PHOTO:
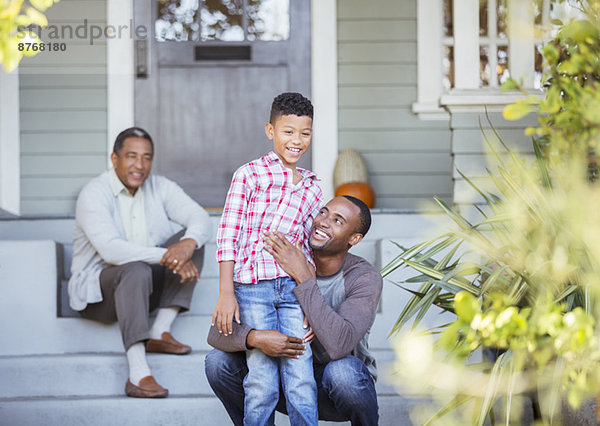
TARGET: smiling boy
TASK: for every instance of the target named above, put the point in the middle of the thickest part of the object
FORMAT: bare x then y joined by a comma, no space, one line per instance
270,194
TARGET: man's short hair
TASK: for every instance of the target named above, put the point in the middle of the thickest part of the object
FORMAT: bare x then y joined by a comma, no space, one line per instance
132,132
290,103
365,214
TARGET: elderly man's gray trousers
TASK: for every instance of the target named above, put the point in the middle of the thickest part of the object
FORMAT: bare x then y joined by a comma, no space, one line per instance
131,291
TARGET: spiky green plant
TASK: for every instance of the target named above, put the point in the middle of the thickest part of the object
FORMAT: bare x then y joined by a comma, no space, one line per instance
524,277
530,295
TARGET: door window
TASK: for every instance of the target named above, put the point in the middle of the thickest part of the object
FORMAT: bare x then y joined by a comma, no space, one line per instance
222,20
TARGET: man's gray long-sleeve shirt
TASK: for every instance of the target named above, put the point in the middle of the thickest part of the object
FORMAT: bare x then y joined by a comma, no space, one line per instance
99,238
340,309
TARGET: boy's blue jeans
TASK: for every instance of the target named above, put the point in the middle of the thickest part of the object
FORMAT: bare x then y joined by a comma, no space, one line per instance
271,304
346,390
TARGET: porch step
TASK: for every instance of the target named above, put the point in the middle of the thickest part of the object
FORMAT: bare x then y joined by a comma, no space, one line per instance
101,375
174,410
88,388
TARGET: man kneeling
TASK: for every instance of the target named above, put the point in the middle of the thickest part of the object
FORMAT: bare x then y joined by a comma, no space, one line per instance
339,304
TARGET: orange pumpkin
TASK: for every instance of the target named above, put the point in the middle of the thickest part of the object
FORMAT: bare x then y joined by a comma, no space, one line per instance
360,190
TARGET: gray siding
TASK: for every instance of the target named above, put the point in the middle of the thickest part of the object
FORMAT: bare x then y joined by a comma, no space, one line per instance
63,112
470,147
408,159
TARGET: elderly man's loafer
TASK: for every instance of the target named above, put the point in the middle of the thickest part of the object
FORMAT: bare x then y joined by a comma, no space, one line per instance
167,345
148,388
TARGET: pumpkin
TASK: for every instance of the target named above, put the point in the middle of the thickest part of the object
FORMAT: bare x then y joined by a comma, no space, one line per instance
360,190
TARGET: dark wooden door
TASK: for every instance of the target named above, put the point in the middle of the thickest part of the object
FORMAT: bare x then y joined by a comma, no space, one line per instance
205,81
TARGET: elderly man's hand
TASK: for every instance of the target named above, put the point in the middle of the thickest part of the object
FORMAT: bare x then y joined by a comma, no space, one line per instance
178,254
189,272
275,344
290,258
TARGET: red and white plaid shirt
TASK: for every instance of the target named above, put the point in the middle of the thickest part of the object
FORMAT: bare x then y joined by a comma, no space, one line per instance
262,196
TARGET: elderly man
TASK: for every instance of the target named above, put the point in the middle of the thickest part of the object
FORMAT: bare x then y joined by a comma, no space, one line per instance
339,304
129,259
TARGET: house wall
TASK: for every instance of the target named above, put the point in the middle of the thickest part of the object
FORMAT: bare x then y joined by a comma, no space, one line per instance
469,133
63,111
408,158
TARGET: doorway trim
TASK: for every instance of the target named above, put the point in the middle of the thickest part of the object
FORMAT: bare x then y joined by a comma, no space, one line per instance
10,172
324,95
119,71
324,82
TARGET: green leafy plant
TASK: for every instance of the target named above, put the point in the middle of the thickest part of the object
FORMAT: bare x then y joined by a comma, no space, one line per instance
523,277
14,17
570,112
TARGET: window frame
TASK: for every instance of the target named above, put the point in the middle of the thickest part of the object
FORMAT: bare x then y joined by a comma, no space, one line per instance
432,100
243,5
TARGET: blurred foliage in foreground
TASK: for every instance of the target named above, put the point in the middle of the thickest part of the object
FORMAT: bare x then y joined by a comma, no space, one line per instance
14,17
525,278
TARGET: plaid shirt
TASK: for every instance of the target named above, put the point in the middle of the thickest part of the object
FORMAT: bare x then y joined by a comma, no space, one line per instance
262,196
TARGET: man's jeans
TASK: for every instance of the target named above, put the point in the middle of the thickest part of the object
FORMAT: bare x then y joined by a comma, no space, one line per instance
271,304
346,389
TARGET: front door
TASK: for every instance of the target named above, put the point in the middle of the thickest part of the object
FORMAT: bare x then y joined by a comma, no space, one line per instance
205,80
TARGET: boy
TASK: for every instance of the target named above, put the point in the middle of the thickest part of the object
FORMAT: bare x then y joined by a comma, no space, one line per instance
270,193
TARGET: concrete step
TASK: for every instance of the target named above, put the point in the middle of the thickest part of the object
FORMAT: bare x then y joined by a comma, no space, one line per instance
97,375
104,375
188,410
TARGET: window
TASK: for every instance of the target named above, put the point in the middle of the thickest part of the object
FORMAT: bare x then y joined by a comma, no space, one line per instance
493,44
482,43
222,20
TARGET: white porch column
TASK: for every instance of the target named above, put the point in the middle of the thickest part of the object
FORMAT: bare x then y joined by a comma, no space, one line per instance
521,40
466,44
324,91
119,78
10,172
430,24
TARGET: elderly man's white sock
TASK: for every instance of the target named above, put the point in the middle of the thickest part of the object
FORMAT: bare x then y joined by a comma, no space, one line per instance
138,367
163,321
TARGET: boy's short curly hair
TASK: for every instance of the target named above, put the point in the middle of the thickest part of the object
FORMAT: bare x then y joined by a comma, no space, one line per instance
290,103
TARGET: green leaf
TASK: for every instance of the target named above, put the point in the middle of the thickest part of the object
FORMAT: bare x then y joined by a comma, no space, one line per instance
454,215
516,111
487,199
568,290
41,5
546,182
510,84
466,305
552,103
554,392
409,309
579,31
498,371
444,261
407,254
455,283
456,402
493,279
425,304
36,17
436,249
